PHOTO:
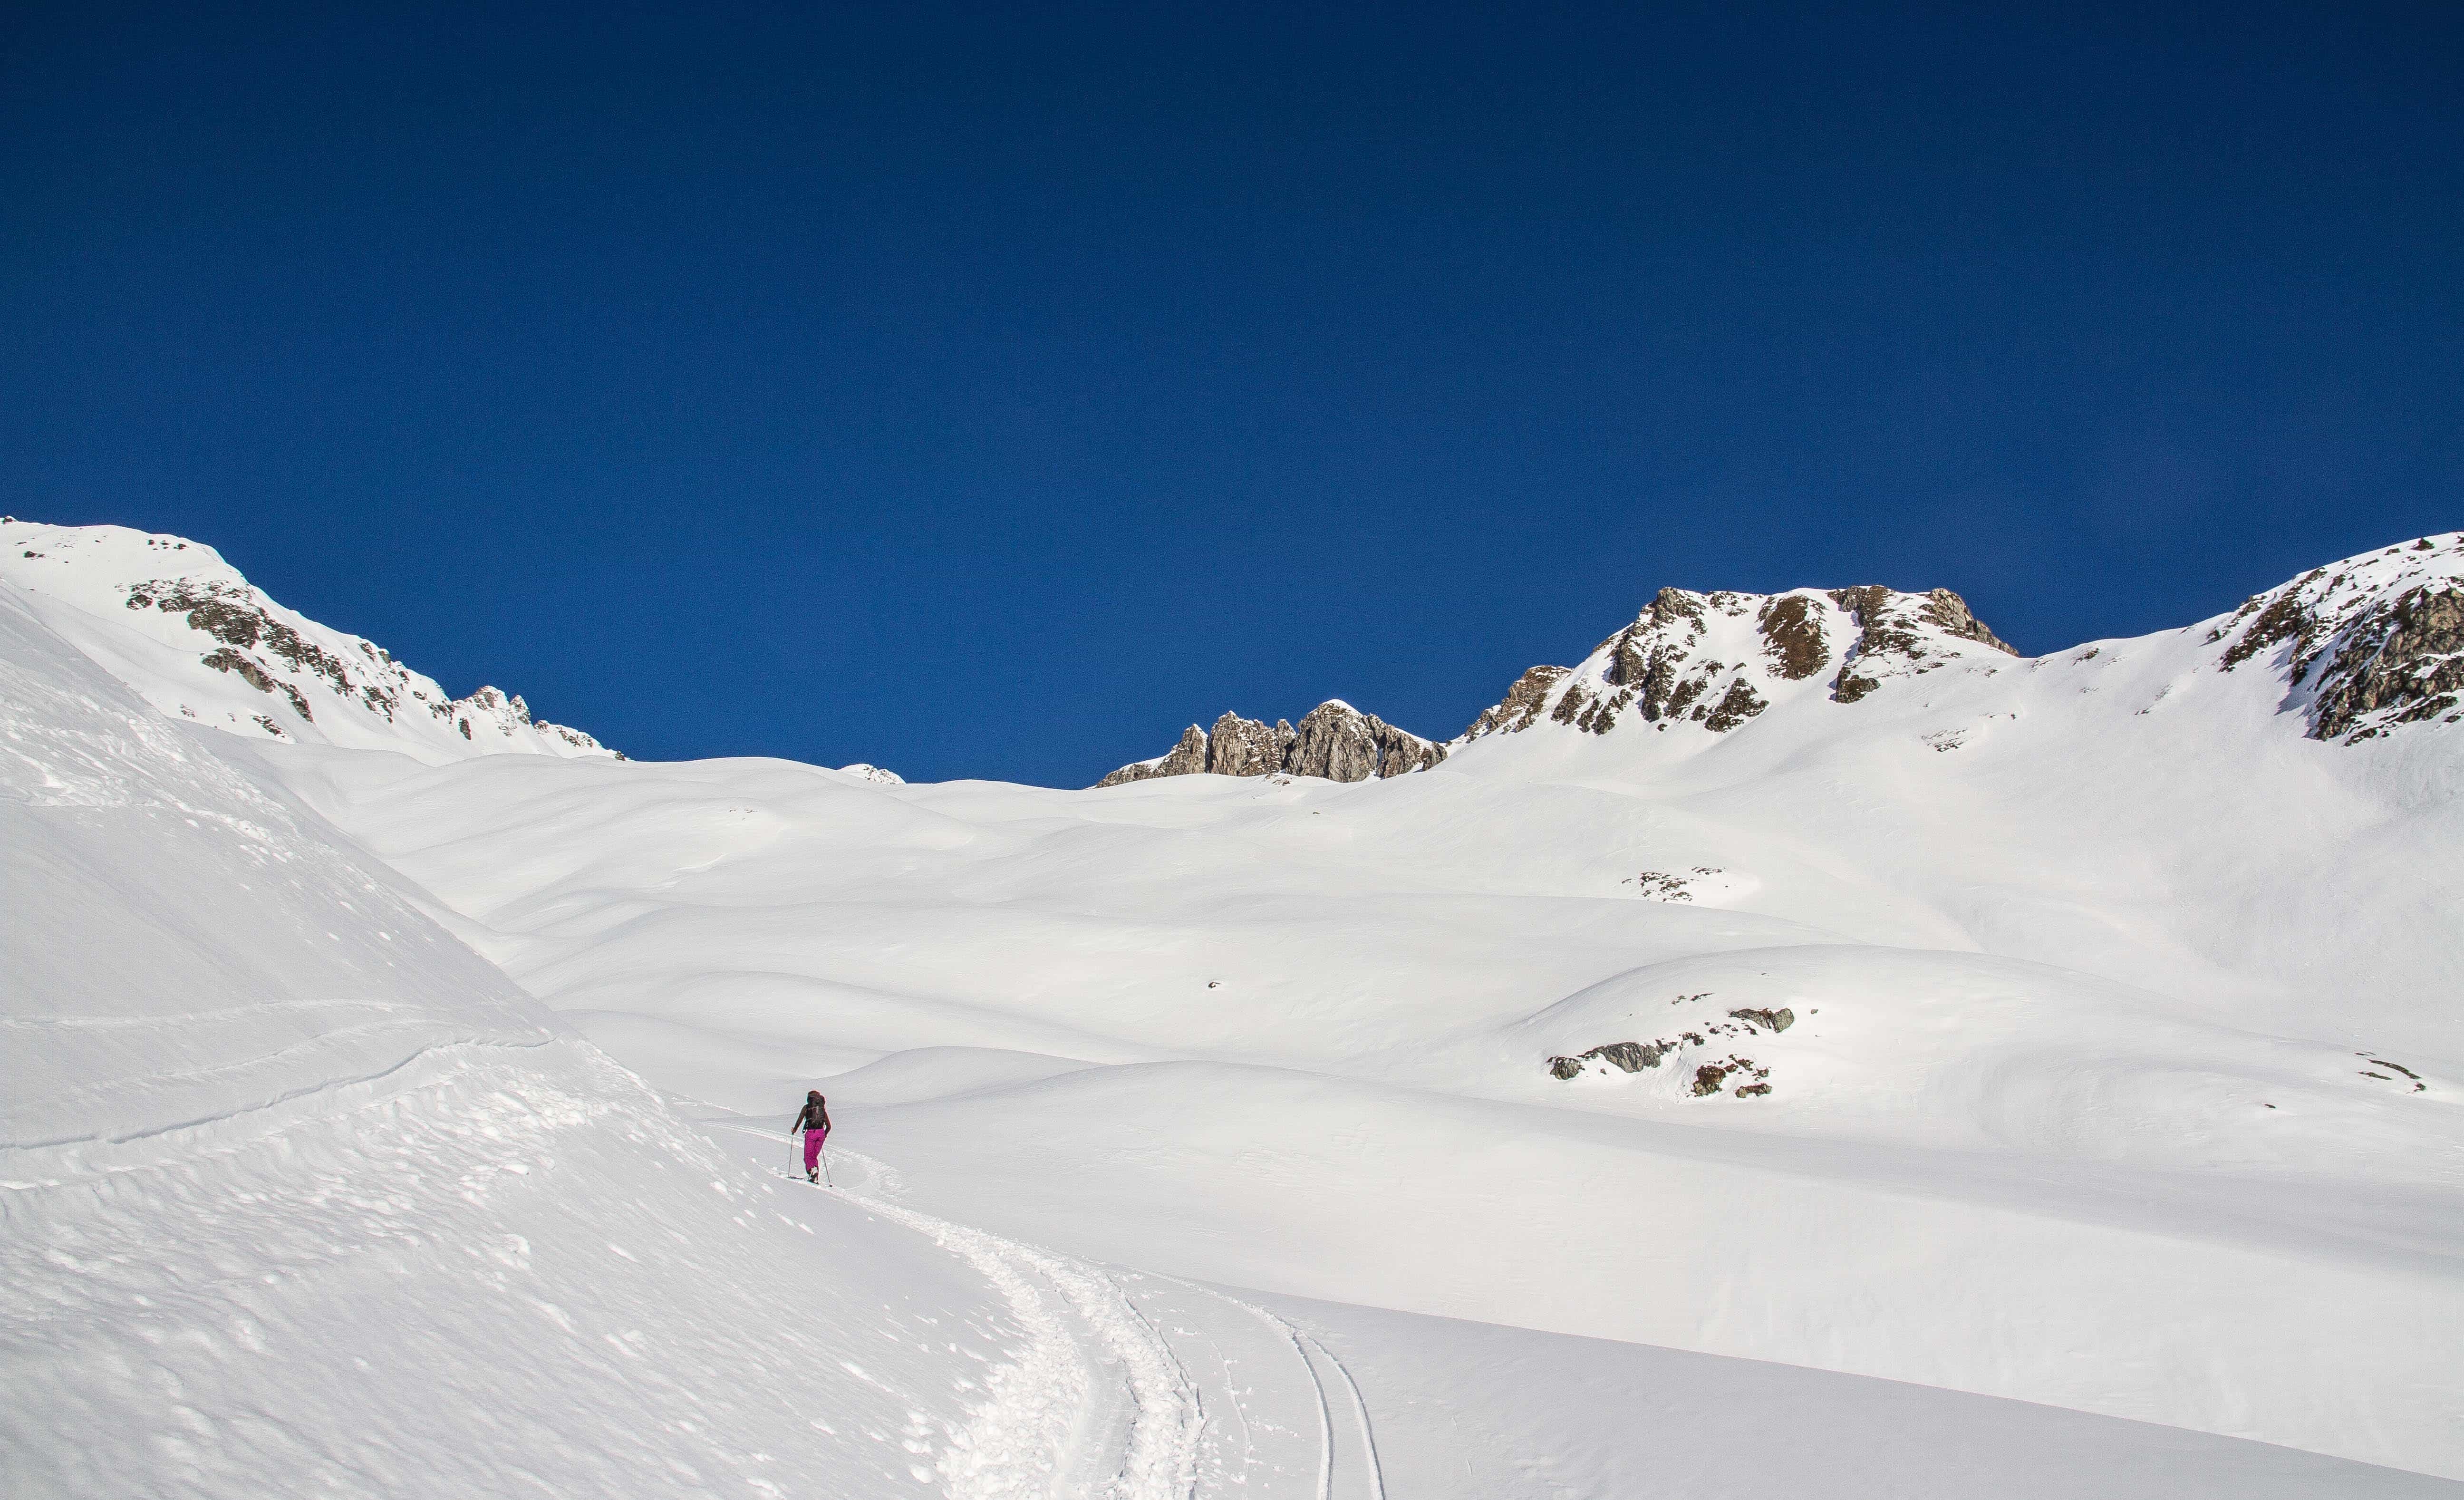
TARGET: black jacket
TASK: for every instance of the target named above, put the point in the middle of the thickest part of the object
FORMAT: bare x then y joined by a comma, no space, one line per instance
815,1115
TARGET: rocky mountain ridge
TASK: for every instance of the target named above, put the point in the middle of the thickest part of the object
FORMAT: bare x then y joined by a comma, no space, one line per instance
1333,740
1718,660
2365,645
185,630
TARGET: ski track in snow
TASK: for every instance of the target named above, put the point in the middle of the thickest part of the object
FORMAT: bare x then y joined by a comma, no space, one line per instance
1311,1354
1098,1402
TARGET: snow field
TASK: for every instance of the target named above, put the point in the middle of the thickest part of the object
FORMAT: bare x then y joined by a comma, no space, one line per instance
1942,1268
1294,1037
1475,1410
299,1197
2121,1077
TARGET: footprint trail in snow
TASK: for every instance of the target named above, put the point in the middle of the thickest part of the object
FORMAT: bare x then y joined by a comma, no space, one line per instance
1130,1385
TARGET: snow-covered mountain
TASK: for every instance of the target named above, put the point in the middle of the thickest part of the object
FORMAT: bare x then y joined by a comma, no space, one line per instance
169,618
299,1196
2118,1070
1961,1073
1720,660
2362,644
2359,646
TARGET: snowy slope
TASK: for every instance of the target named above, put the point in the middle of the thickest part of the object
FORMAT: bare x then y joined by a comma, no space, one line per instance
301,1197
2119,1070
2102,1000
169,618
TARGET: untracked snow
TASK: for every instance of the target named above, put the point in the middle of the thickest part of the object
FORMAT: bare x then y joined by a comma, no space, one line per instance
1267,1136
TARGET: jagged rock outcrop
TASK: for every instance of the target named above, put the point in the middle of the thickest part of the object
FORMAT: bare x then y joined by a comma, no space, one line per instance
1521,703
2366,644
1238,746
1333,740
1893,629
1720,659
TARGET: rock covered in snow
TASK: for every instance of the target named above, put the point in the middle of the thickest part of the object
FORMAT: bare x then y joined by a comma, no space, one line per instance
1720,659
873,773
1333,740
2365,645
175,622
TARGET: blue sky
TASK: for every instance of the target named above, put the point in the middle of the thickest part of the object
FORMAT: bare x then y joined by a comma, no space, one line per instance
991,392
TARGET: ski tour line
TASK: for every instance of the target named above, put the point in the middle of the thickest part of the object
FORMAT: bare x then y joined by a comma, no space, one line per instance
1101,1402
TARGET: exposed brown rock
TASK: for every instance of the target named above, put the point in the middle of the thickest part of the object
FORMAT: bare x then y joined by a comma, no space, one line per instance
1630,662
1333,740
2401,665
1948,613
1401,752
2288,618
1741,703
1631,1056
1793,637
1184,758
1521,705
247,671
1238,746
1893,625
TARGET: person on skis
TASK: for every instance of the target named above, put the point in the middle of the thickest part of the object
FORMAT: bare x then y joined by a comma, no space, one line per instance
815,1122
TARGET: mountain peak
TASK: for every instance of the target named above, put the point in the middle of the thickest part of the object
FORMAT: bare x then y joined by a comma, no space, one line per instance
2365,644
1333,740
1719,659
176,622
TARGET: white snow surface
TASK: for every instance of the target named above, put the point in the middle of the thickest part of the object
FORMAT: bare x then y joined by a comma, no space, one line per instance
1198,1136
169,618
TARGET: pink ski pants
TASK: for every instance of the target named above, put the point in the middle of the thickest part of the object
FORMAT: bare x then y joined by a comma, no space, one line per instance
813,1140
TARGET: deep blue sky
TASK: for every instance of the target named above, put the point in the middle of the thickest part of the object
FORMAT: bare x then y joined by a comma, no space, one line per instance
993,391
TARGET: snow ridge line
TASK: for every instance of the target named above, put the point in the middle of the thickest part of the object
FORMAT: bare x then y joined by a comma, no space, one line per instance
150,1022
257,1121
